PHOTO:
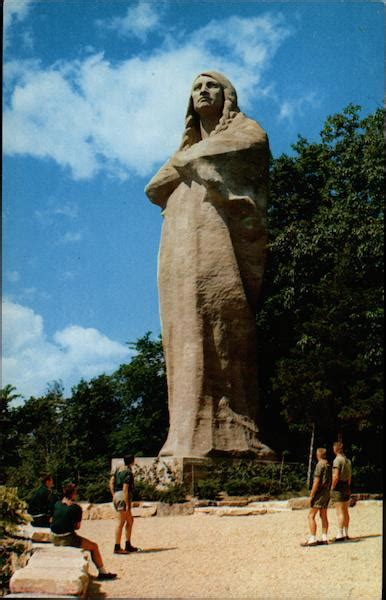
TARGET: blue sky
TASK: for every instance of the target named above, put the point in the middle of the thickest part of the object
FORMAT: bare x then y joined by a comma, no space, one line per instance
95,93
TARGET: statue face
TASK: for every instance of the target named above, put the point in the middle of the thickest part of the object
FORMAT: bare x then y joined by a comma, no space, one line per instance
207,96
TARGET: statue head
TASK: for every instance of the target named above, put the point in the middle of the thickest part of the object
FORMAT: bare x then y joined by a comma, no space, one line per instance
228,111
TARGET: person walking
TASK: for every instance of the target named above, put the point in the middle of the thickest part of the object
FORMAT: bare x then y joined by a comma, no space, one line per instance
121,488
319,498
66,519
341,490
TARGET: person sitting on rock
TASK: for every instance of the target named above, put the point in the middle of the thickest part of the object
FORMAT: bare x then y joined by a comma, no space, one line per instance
42,502
121,487
66,519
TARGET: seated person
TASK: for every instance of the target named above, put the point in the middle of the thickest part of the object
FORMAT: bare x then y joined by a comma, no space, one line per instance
42,502
66,519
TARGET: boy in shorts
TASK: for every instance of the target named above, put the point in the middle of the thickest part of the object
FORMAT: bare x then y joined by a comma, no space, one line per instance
121,487
319,498
341,490
66,520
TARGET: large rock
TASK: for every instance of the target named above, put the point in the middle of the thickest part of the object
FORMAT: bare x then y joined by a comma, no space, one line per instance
102,511
144,511
233,502
240,511
174,510
49,580
53,571
299,503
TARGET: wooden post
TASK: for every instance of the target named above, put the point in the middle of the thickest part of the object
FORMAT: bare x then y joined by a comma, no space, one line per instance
281,468
310,456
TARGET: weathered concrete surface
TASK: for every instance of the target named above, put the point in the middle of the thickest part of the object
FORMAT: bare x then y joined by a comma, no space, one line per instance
213,192
53,571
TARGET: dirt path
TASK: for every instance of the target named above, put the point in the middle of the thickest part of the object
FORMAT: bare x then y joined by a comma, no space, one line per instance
205,556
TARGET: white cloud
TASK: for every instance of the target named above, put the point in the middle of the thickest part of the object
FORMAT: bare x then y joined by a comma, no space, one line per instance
31,360
14,10
289,109
127,117
138,22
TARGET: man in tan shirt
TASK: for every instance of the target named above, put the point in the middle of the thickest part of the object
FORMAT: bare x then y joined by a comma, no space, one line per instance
340,490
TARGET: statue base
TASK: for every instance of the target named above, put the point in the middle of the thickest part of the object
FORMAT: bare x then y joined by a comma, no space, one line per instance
165,470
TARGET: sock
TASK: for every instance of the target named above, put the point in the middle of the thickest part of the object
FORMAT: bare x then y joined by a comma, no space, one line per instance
340,533
345,529
102,570
117,547
128,545
312,538
324,537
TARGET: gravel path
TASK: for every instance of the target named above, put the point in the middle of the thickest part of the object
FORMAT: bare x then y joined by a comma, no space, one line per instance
206,556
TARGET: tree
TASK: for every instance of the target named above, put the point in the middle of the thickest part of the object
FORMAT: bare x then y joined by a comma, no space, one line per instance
320,324
141,386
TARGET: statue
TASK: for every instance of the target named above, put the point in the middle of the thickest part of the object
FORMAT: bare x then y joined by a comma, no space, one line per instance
213,194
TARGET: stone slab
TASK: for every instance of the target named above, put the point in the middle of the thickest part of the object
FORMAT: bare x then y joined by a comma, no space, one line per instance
41,534
49,581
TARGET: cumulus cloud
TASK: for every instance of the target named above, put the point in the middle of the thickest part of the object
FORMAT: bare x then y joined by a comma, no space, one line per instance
15,10
289,109
138,22
126,117
31,359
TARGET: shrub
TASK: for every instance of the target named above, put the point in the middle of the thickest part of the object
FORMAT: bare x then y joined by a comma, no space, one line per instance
172,493
237,487
12,510
145,491
208,488
95,491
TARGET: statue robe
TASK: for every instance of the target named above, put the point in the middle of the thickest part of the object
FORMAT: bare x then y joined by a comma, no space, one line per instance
211,261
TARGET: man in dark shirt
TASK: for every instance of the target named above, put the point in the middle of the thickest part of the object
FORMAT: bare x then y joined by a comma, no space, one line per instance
121,487
66,519
42,502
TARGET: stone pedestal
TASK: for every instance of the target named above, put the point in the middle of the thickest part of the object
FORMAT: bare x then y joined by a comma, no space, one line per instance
169,469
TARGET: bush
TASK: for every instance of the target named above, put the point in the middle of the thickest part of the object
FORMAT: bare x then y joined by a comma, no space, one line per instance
237,487
12,510
144,490
172,493
208,489
367,479
95,491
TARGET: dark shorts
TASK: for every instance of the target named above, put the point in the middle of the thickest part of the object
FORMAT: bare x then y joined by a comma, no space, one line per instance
342,492
119,501
321,499
72,539
41,521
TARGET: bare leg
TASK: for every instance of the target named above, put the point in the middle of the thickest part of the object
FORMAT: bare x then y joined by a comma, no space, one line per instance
120,524
340,514
346,515
311,520
324,519
95,554
129,525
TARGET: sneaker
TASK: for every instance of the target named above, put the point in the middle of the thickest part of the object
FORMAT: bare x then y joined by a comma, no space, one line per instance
104,576
322,542
130,548
306,544
340,539
121,551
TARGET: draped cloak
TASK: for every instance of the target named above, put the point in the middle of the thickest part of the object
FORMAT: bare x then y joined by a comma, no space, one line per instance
211,261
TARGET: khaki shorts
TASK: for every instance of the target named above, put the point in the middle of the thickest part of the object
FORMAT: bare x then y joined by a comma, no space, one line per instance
321,499
72,539
342,492
119,501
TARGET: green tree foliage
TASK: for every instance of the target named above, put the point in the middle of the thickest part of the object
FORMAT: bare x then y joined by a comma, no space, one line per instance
320,324
141,388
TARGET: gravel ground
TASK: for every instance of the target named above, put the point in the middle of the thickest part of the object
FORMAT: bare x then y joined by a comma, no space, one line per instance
206,556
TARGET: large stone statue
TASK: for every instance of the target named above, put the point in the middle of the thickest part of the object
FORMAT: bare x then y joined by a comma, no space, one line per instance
213,194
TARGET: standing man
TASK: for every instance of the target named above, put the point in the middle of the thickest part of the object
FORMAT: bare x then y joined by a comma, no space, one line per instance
42,502
319,498
340,490
121,488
